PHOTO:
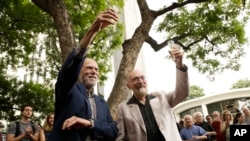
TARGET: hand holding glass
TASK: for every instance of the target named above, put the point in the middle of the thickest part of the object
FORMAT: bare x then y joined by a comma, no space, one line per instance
172,45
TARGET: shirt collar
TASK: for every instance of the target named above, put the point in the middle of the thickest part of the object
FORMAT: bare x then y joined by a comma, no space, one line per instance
133,99
91,93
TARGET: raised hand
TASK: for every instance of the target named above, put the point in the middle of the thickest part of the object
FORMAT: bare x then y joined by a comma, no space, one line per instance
108,17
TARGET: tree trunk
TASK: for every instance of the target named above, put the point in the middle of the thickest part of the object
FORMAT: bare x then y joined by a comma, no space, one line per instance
131,50
63,26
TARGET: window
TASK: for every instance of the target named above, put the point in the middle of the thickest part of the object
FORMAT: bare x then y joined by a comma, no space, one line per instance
191,111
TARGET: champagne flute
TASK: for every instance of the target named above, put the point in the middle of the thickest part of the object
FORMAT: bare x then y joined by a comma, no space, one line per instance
172,45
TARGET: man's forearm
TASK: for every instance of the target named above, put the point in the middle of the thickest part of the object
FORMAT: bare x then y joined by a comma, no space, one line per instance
81,50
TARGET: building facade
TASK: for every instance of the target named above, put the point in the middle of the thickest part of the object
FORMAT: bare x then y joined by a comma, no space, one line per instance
229,100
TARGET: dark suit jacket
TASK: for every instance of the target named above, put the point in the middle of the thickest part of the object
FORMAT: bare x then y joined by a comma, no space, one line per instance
72,100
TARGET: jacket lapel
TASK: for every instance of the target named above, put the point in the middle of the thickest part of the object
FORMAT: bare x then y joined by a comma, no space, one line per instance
135,112
83,91
157,111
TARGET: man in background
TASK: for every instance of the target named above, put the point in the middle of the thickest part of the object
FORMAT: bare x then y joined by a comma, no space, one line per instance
199,121
192,132
24,129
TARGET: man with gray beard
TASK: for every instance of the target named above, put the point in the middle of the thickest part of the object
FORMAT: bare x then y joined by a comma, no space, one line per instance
80,114
148,117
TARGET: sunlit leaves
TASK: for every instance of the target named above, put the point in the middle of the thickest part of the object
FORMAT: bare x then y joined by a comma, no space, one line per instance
195,92
242,83
216,33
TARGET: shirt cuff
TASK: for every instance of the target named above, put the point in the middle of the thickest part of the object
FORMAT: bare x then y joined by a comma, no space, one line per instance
92,123
184,68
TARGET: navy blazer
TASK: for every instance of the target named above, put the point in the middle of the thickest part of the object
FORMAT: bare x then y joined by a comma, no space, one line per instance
72,100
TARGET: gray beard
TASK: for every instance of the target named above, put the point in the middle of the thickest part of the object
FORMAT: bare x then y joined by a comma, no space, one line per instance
141,92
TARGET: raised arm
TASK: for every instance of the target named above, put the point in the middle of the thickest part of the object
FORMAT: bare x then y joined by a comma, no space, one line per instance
69,73
108,17
182,83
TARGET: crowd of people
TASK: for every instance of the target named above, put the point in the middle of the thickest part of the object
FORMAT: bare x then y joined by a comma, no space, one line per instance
81,115
213,127
27,130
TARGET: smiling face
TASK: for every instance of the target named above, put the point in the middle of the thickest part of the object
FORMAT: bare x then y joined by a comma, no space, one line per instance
198,117
246,111
188,121
137,83
89,73
50,119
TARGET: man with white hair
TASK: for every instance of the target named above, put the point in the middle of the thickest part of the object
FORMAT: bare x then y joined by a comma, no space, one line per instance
148,116
199,121
80,114
192,132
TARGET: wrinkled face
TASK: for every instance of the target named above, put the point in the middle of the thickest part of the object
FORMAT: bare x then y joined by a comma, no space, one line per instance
246,111
89,73
137,83
216,116
27,112
198,118
188,121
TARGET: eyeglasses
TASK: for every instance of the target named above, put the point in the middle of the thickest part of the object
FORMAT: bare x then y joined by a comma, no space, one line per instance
138,78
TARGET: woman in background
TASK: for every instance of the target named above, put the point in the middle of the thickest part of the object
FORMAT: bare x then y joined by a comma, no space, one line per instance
47,127
227,120
239,119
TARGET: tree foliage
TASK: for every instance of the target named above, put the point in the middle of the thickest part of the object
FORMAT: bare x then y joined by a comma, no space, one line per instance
15,93
36,37
242,83
211,32
195,92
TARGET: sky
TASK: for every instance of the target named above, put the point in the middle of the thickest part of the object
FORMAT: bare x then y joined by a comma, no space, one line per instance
161,72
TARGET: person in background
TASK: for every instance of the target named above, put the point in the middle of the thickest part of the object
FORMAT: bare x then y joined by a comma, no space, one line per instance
209,119
199,121
181,123
239,119
27,129
178,127
1,131
81,115
192,132
47,127
148,117
227,120
246,113
216,123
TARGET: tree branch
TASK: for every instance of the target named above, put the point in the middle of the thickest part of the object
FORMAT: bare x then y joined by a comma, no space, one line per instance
176,39
177,5
43,4
195,42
